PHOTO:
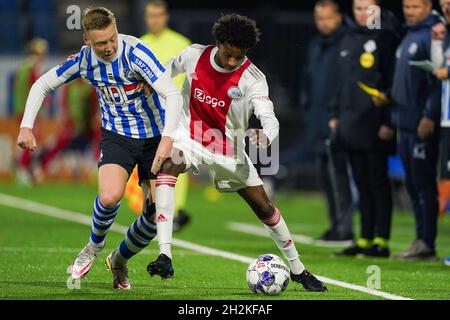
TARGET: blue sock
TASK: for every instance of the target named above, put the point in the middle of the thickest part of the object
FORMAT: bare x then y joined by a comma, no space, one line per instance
102,219
139,235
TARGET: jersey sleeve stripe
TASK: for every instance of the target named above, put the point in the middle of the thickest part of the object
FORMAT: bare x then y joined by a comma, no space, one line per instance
256,70
143,66
152,56
255,73
73,77
66,66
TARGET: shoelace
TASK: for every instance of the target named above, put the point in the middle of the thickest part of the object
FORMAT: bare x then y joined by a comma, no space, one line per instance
86,254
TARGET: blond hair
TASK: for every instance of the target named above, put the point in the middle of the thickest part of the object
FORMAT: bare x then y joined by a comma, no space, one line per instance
98,18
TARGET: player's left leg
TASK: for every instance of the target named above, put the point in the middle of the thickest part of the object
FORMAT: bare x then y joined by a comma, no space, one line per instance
165,203
138,236
275,225
112,179
119,156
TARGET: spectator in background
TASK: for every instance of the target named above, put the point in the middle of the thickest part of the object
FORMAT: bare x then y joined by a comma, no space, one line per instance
165,44
415,117
320,84
362,121
28,72
440,55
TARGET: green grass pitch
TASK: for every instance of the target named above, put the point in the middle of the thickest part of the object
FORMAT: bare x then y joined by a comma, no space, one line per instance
35,251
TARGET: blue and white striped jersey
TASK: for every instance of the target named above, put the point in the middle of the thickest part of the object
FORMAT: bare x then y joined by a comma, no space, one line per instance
124,111
445,97
445,104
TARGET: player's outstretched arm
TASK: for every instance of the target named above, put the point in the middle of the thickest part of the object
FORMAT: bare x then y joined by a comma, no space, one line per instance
166,89
46,83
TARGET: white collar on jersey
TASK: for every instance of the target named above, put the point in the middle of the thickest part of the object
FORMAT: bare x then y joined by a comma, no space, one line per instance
219,68
118,53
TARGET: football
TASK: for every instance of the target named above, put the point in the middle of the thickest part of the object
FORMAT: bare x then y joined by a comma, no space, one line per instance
268,275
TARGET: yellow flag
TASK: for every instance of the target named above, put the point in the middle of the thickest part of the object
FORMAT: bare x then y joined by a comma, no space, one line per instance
372,91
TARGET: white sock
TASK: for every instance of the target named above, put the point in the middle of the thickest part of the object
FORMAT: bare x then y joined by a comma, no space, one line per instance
279,232
165,210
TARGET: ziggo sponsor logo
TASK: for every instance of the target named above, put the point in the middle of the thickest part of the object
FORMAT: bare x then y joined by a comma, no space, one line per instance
201,96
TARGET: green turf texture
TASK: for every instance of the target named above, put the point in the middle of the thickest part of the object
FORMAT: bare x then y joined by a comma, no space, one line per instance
35,251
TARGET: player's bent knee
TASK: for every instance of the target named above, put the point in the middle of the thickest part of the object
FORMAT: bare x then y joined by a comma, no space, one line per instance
110,199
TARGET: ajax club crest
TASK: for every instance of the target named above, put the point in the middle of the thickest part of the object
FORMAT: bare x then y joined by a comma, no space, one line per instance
234,93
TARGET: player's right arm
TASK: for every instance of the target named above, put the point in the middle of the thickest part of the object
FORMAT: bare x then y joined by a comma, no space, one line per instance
48,82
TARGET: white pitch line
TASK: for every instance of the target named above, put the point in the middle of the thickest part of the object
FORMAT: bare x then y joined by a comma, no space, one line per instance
260,231
39,249
17,250
35,207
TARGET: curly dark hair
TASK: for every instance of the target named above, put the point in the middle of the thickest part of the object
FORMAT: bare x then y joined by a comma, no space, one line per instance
238,31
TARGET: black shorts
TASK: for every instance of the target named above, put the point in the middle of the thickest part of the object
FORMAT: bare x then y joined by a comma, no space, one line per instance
129,152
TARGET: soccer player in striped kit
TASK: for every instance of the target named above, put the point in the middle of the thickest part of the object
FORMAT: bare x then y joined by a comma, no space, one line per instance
136,129
222,90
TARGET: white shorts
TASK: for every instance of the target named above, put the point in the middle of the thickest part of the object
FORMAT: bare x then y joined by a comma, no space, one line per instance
226,173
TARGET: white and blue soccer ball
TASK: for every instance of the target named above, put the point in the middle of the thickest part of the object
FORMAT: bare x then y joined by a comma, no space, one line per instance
268,275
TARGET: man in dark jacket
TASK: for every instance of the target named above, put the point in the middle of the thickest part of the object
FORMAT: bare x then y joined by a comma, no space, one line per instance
415,115
319,84
362,122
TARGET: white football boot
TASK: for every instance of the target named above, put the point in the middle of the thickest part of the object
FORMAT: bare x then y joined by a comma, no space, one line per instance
84,261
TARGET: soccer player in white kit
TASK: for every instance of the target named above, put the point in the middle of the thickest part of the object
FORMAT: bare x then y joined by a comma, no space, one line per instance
222,90
136,129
